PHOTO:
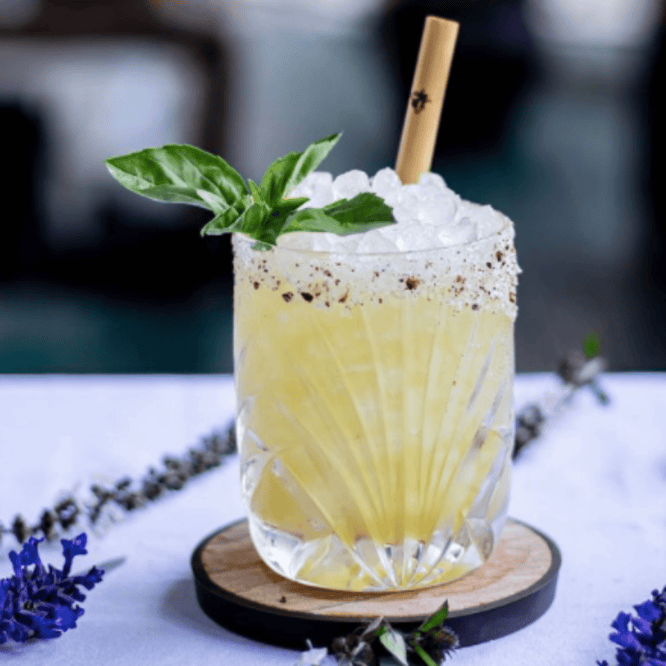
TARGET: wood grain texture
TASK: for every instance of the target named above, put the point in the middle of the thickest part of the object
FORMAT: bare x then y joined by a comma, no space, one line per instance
231,567
424,109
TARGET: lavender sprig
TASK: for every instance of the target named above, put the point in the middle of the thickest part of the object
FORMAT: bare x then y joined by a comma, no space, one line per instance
642,639
40,602
576,372
433,641
429,644
126,494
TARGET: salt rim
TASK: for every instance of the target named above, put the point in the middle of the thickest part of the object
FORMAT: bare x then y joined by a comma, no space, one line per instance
468,263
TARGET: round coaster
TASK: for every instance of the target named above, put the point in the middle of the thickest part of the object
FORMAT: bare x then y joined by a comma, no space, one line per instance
238,591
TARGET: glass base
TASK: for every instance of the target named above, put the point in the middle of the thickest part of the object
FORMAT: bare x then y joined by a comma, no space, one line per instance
372,567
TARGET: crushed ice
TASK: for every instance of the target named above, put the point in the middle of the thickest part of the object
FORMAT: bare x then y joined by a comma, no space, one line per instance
428,214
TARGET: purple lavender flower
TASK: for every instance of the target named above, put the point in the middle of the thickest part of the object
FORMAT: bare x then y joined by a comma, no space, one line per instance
40,602
642,639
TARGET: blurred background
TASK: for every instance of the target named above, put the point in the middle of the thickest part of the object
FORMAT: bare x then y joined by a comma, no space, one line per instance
551,116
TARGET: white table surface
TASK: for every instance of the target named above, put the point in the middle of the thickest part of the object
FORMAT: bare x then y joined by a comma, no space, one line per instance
595,482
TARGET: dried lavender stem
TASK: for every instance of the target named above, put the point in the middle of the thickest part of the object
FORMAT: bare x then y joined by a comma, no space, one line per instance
126,494
576,372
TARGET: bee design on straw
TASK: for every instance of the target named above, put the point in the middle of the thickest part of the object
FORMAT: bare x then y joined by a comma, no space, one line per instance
419,100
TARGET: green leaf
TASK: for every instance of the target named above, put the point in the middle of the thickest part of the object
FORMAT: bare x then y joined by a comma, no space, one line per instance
424,655
394,643
286,172
435,619
221,224
179,174
262,246
253,221
314,219
365,211
286,206
255,191
380,631
257,220
591,345
186,174
275,223
228,221
365,207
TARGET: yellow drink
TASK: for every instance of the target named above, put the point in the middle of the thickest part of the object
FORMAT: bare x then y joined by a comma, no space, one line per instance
375,415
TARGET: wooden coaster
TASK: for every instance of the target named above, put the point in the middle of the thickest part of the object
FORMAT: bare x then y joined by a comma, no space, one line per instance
238,591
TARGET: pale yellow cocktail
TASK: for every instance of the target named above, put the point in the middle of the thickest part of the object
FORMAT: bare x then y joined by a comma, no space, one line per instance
374,367
375,414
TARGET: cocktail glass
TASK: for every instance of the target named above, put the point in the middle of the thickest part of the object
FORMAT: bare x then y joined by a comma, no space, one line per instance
375,409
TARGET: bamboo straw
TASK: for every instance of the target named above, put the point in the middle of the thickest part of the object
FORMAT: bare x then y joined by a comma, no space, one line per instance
419,132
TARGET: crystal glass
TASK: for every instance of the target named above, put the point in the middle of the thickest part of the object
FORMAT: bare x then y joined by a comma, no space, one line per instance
375,409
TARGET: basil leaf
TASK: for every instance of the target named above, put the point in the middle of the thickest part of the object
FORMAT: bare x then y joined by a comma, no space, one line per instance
286,206
265,222
315,219
436,618
186,174
425,656
281,213
591,345
286,172
395,644
347,216
253,221
262,246
180,174
255,191
221,224
228,221
364,207
273,224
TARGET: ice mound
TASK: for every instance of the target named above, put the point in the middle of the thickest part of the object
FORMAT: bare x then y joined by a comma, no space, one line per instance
470,262
428,214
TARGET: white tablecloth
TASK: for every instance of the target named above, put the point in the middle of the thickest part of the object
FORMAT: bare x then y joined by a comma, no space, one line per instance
595,482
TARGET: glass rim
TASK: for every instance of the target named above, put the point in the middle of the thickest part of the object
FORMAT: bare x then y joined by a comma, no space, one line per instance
467,245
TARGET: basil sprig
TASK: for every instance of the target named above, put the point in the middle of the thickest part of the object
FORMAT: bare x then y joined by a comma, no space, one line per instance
185,174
